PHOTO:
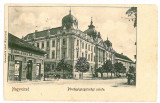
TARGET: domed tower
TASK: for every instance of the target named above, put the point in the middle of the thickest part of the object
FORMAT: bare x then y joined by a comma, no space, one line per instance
91,30
108,43
69,22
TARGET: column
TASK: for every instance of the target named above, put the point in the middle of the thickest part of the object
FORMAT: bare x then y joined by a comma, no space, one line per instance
60,45
73,55
55,48
67,47
80,48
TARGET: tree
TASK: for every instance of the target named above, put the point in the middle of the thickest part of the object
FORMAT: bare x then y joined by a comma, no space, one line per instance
131,75
123,70
64,67
46,67
101,70
112,70
82,65
133,12
132,69
69,68
107,66
118,67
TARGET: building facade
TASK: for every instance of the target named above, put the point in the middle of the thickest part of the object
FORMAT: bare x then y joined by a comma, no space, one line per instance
69,42
25,61
127,62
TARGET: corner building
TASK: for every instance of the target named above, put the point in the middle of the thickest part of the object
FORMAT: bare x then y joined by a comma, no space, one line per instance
25,61
69,42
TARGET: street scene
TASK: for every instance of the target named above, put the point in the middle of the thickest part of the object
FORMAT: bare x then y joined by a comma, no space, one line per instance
62,45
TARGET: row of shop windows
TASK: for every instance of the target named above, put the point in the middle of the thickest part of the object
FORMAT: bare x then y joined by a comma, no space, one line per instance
28,70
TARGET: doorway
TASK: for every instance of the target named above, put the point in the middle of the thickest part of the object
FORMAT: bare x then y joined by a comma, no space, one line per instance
18,70
38,71
29,70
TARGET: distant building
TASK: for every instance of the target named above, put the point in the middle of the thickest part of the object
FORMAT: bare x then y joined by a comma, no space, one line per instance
127,62
25,61
69,43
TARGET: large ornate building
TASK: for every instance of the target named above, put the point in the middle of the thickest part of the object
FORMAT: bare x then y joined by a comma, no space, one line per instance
69,42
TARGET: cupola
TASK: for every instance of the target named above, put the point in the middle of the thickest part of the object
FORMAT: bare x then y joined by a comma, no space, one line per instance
69,21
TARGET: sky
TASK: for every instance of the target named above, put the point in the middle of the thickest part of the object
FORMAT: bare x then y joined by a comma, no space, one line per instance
109,21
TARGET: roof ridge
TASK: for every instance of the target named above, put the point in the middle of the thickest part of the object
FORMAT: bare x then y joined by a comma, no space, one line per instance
23,44
123,56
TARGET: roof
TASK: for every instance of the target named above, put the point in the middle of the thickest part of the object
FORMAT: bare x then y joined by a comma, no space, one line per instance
15,42
122,56
43,33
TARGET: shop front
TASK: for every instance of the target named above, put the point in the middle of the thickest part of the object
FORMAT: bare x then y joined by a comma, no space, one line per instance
25,61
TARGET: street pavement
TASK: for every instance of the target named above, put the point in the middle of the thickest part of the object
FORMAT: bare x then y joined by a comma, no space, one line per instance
115,82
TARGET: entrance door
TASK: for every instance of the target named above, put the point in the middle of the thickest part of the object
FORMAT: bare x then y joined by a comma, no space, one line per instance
38,71
18,70
29,70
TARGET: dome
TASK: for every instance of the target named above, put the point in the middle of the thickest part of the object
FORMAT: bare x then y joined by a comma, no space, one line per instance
91,30
108,43
69,21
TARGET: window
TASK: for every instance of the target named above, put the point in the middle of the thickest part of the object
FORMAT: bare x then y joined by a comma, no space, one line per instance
77,54
106,55
63,55
89,47
53,67
91,56
82,45
42,44
11,57
82,54
92,48
53,43
99,56
63,41
53,54
86,46
88,57
38,45
77,42
47,43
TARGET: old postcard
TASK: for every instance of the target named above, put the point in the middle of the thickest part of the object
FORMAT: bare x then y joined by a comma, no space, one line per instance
80,52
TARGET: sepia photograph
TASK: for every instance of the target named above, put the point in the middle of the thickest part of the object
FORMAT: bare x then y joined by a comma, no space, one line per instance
50,43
